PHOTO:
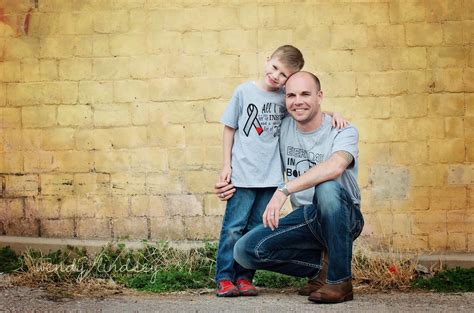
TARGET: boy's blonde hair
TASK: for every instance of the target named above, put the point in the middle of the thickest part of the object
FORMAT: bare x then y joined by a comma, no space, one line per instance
290,56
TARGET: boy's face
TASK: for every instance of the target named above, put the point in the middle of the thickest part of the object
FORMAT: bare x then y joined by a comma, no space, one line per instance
276,73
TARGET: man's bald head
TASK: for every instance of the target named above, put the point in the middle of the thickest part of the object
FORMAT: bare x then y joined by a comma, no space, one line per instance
314,78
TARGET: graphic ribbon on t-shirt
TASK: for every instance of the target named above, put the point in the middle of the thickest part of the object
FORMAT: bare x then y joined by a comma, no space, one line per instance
252,120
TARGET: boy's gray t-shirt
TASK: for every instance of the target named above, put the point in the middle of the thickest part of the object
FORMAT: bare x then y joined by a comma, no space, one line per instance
301,151
256,116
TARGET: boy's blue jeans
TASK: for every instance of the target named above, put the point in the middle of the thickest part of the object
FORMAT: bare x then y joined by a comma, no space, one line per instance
243,212
295,248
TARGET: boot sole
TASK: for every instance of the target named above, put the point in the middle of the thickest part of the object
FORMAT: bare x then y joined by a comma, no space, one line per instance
348,297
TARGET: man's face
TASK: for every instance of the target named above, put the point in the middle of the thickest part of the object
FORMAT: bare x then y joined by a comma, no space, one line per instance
303,99
276,73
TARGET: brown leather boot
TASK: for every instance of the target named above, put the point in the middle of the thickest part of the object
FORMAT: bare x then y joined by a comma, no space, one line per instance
333,293
316,283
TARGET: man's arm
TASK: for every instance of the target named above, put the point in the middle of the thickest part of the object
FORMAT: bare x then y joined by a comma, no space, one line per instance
327,170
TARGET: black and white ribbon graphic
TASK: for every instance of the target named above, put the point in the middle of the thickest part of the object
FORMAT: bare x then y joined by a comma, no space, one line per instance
252,120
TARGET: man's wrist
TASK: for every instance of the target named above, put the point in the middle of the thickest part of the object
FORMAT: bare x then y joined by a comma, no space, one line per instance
284,190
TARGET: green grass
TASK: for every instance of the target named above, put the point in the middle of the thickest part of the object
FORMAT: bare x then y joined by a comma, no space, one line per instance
451,280
9,261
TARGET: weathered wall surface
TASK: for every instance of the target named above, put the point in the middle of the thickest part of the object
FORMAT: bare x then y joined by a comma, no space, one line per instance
109,111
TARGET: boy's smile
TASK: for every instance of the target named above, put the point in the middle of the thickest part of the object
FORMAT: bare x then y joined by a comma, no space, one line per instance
276,74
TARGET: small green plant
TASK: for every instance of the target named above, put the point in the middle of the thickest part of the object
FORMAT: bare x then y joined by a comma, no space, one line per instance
450,280
9,261
275,280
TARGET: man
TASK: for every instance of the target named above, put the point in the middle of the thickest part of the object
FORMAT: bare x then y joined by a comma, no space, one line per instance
321,165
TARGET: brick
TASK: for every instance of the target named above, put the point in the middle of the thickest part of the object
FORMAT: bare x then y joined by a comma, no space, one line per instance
426,175
12,71
417,81
373,153
332,61
117,138
130,228
447,151
111,115
44,207
30,70
440,57
164,42
68,207
418,200
74,115
468,126
446,104
213,110
11,117
22,227
460,174
57,47
88,206
128,183
153,66
349,36
389,83
110,68
199,181
95,92
75,69
425,128
389,182
401,224
11,208
213,157
203,134
440,11
454,127
37,161
213,206
386,35
21,185
91,183
57,139
196,43
371,60
140,113
468,78
11,142
408,106
73,161
424,224
469,151
184,205
39,93
469,101
116,207
236,41
202,227
304,36
130,90
57,185
22,48
161,184
422,34
457,242
127,44
452,33
11,162
407,11
48,69
409,152
148,206
448,198
408,58
57,228
108,22
339,84
438,241
459,221
149,159
170,136
100,46
167,228
379,131
93,228
218,65
169,89
105,161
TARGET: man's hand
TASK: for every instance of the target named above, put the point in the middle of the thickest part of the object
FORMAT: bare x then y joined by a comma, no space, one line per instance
271,215
224,190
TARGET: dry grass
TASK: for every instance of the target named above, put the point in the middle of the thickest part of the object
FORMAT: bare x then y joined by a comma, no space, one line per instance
386,270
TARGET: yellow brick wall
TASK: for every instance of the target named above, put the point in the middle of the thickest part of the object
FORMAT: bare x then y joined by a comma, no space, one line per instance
110,111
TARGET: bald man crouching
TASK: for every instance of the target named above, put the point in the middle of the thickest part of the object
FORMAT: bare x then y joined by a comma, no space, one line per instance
321,164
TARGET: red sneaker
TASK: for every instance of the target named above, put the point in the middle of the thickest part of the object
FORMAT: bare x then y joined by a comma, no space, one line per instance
246,288
226,288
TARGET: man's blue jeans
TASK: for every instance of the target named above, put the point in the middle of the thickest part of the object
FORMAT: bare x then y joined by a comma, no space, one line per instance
295,248
243,212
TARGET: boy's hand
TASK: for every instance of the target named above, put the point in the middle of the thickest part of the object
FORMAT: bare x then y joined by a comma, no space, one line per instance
225,174
271,215
224,190
339,121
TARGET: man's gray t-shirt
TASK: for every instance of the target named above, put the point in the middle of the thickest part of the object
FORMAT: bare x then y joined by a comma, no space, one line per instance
301,151
256,116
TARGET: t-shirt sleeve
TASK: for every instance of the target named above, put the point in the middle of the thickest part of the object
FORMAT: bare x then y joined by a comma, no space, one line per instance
346,140
230,117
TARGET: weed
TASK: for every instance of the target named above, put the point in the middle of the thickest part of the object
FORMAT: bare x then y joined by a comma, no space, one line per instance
9,261
450,280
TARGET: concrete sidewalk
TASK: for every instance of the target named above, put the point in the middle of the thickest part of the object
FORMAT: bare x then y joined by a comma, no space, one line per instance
23,299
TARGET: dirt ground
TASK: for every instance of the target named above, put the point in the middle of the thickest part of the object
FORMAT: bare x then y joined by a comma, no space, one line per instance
15,298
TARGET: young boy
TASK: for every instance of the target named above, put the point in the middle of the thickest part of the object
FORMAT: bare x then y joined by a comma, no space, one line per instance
252,162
